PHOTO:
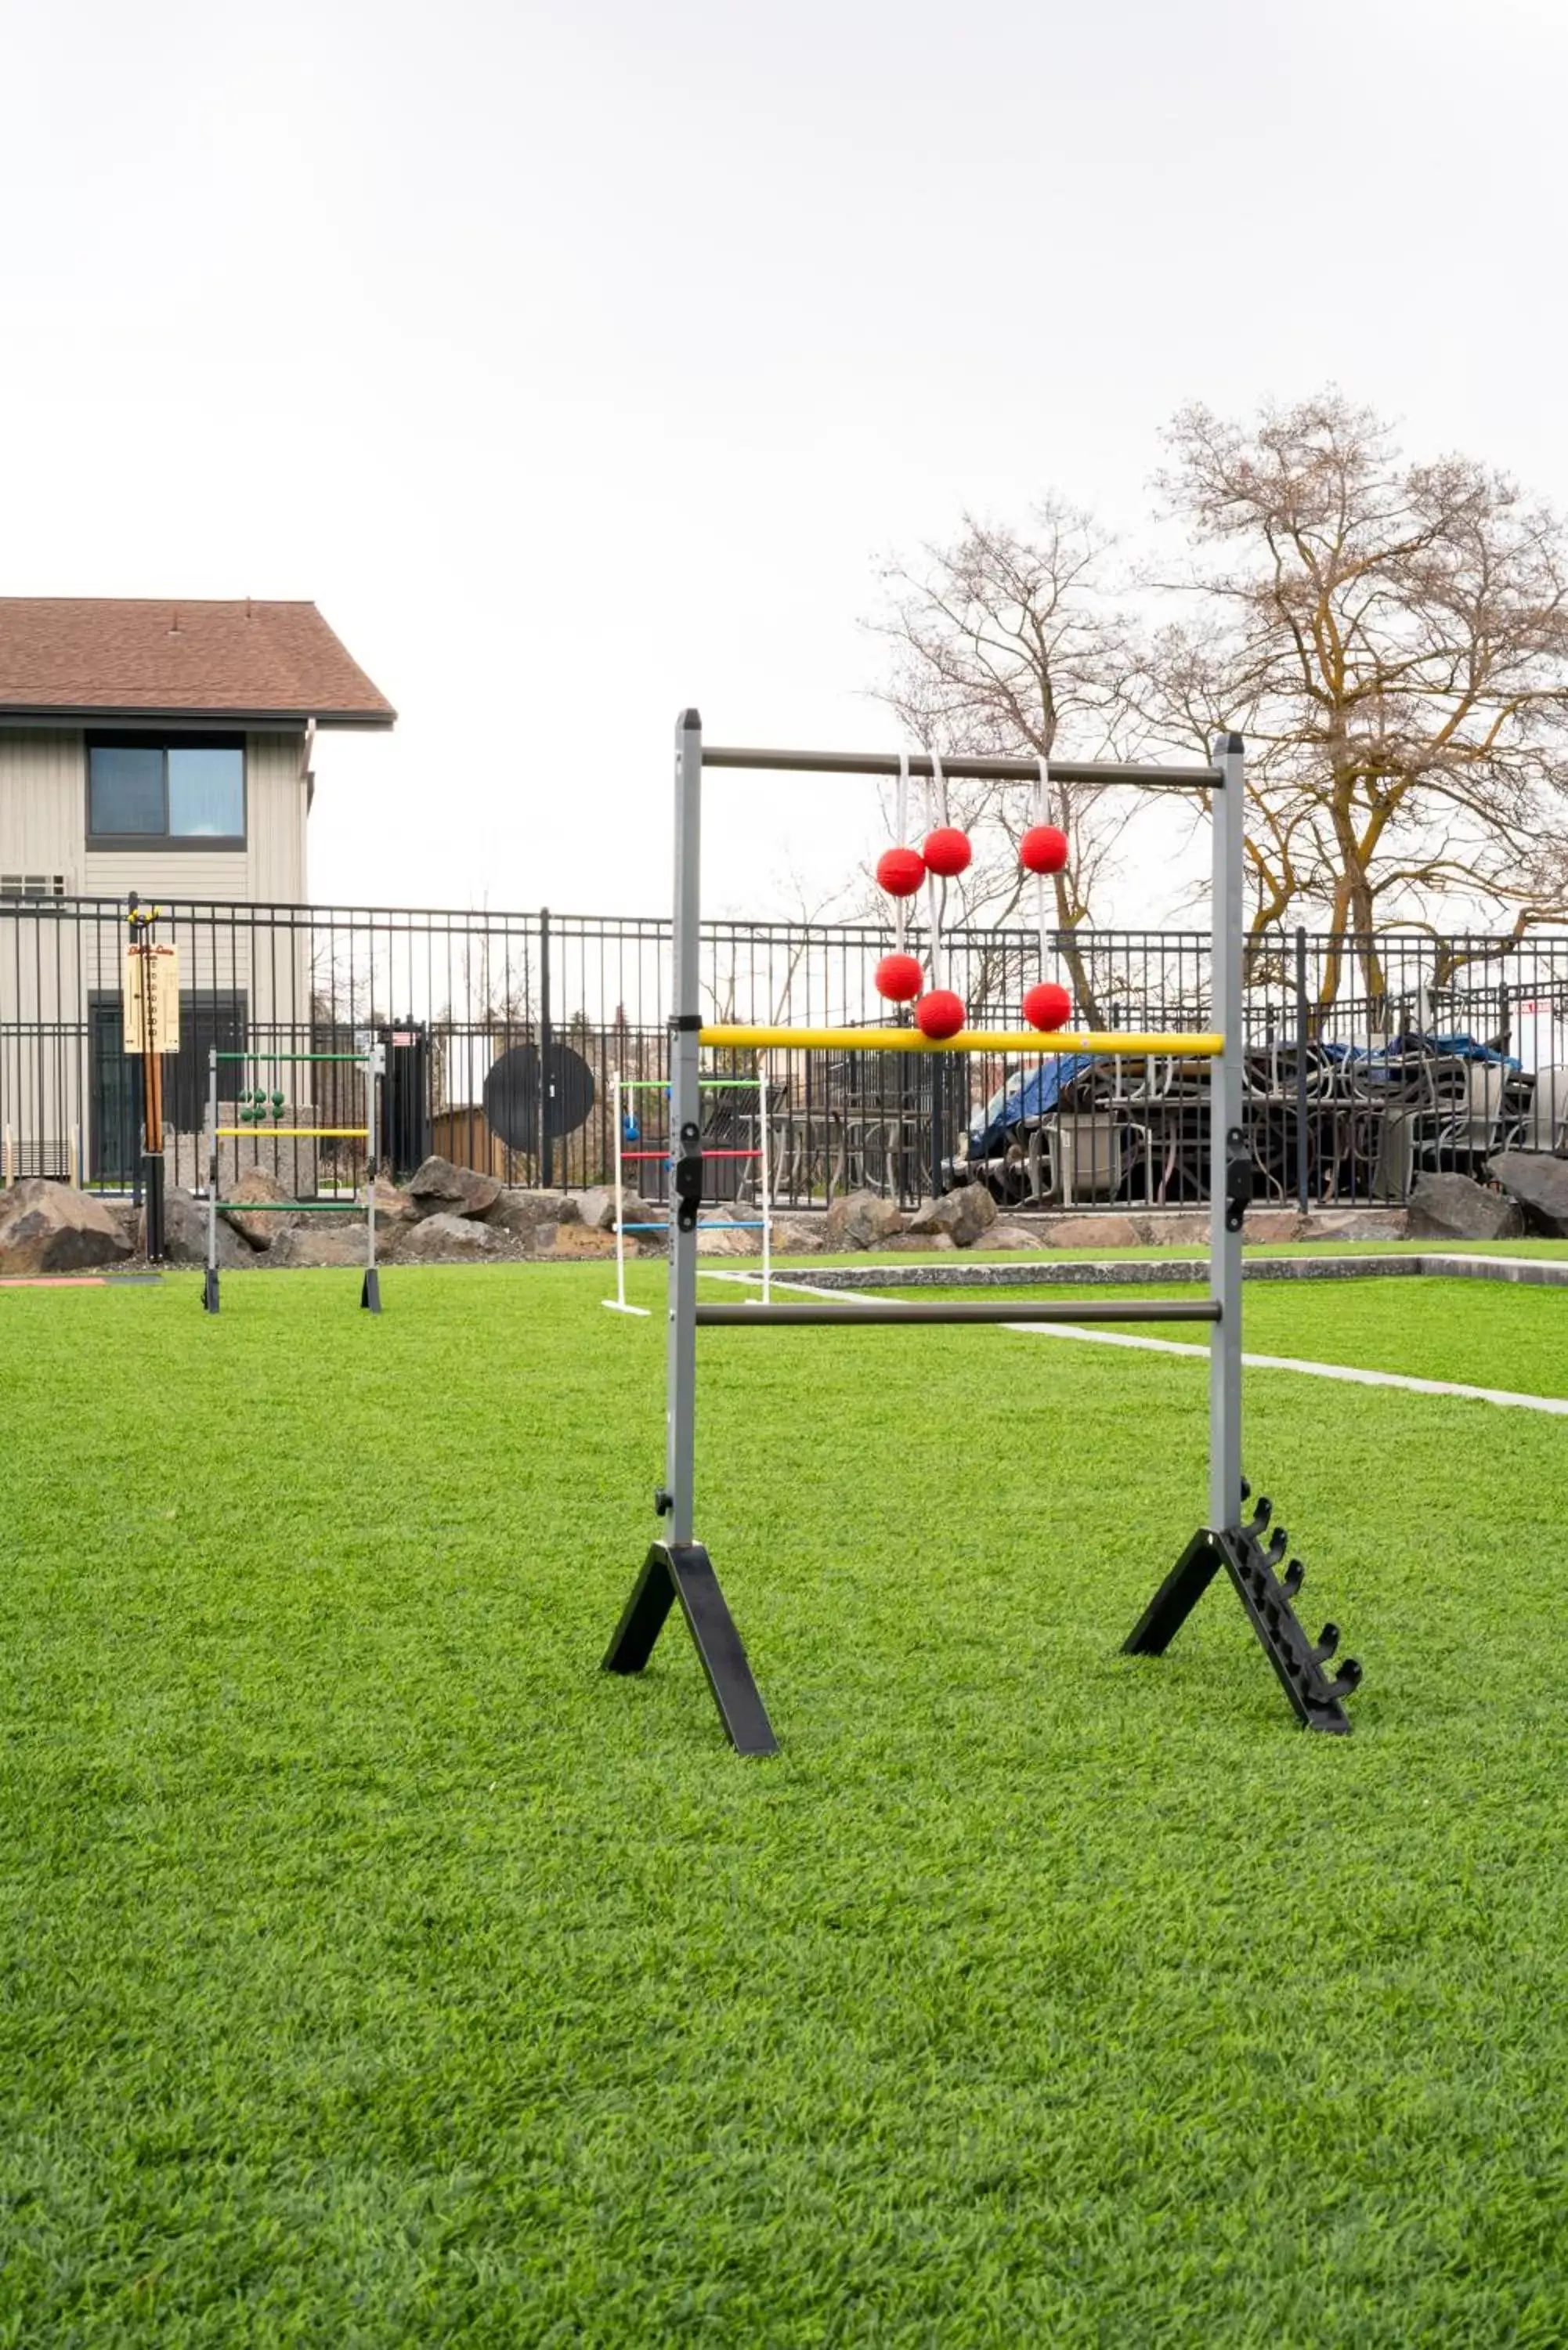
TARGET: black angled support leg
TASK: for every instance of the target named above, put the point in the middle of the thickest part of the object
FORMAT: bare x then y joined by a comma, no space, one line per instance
1250,1562
684,1572
210,1289
1177,1597
370,1291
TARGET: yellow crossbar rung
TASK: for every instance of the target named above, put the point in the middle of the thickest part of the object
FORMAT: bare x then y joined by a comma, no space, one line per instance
1183,1046
261,1133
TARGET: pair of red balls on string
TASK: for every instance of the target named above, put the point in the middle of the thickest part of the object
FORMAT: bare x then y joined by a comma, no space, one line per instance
946,852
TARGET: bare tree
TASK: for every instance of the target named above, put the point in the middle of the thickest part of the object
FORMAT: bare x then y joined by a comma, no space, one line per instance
1003,643
1392,638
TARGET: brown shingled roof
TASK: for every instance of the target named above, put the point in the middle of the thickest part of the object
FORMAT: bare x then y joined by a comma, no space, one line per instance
101,657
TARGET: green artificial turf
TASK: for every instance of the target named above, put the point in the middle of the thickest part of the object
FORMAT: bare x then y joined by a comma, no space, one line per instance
374,1970
1514,1339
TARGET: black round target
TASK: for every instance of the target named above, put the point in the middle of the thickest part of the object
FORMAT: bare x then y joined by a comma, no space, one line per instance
512,1095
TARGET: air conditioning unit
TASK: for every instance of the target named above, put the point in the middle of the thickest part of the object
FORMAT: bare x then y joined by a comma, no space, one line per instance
33,885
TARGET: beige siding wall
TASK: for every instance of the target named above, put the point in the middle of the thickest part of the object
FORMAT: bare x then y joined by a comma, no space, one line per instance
275,790
43,826
43,786
158,876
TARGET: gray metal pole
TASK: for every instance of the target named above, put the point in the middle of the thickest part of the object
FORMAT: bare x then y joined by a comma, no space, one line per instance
1227,1161
686,1135
213,1157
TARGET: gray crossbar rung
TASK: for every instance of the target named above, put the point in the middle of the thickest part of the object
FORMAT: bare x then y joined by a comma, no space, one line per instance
975,770
885,1312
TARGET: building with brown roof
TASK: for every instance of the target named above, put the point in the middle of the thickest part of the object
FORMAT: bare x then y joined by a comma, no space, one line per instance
166,746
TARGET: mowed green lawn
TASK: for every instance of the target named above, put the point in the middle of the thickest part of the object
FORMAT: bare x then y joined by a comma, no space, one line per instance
375,1970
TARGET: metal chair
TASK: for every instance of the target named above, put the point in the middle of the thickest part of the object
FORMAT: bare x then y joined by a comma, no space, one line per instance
1097,1152
1041,1161
1544,1124
1489,1111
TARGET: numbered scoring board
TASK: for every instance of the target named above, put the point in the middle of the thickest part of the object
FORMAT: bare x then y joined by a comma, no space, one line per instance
152,999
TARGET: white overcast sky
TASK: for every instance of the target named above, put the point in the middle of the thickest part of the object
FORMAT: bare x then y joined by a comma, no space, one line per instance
580,360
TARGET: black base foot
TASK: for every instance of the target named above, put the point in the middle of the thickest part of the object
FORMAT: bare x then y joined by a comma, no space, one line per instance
684,1571
1317,1701
370,1291
210,1289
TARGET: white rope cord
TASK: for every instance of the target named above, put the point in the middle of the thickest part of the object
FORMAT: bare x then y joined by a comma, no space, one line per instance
901,834
1042,816
937,814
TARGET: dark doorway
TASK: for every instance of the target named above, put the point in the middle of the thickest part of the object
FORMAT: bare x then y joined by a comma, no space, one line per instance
208,1017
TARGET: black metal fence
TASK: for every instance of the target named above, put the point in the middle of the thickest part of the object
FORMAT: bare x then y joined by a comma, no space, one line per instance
1367,1060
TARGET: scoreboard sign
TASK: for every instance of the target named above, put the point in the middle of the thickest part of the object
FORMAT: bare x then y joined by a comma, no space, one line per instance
152,999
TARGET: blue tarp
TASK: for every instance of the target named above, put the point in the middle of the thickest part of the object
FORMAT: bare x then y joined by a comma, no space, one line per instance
1028,1097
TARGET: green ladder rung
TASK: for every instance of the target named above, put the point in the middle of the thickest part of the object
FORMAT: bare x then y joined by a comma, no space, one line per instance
293,1207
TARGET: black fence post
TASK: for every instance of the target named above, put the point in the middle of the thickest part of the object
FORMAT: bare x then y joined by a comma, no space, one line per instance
1304,1039
936,1184
547,1058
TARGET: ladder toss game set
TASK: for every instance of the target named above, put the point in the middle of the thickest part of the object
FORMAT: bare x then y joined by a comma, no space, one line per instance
678,1569
260,1112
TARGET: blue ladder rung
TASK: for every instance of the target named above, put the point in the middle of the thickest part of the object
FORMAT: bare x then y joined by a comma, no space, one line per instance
725,1226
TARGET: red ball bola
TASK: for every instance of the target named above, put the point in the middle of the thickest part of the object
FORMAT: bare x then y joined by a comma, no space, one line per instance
900,978
939,1014
900,871
946,851
1047,1005
1043,849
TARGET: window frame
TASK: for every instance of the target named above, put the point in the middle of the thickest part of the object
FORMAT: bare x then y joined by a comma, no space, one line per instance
181,844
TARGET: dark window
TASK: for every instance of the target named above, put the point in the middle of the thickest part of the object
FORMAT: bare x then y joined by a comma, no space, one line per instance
182,790
125,790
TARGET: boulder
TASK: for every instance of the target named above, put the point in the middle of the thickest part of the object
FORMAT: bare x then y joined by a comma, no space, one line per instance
393,1207
726,1240
1452,1207
861,1220
316,1243
440,1188
1354,1224
1539,1184
185,1233
260,1231
964,1214
49,1228
1171,1228
1274,1224
917,1241
1092,1232
1006,1235
799,1236
597,1208
582,1241
450,1239
524,1213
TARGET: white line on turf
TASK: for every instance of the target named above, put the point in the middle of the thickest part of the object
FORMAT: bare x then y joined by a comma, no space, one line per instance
1557,1406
